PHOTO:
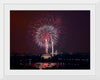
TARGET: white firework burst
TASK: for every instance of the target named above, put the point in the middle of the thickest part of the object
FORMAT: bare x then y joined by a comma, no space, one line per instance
46,33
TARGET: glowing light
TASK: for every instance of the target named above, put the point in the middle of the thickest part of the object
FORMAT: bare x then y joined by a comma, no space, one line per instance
46,46
45,28
44,34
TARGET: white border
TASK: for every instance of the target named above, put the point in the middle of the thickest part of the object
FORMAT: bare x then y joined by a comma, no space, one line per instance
8,7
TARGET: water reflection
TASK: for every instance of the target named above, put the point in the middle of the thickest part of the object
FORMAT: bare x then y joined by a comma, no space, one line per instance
56,62
44,65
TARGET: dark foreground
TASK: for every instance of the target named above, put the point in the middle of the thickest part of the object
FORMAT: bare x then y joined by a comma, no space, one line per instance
61,61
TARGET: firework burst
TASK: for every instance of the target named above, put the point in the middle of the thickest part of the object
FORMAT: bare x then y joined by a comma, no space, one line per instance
45,30
46,33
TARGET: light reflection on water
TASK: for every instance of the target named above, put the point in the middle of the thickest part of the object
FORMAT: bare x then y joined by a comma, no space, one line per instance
45,65
69,64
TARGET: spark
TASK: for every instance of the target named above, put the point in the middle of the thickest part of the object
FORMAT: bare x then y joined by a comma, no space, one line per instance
46,29
44,34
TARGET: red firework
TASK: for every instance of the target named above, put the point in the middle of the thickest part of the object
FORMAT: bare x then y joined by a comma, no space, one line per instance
44,29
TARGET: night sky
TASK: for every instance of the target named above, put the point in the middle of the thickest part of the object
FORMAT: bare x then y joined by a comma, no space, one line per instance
74,36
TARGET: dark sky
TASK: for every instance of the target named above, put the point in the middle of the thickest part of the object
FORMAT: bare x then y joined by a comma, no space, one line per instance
74,37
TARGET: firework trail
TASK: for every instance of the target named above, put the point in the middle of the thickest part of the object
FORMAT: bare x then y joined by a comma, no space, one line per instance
46,28
44,34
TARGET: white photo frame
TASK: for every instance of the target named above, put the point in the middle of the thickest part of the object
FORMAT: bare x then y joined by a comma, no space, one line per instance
6,9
